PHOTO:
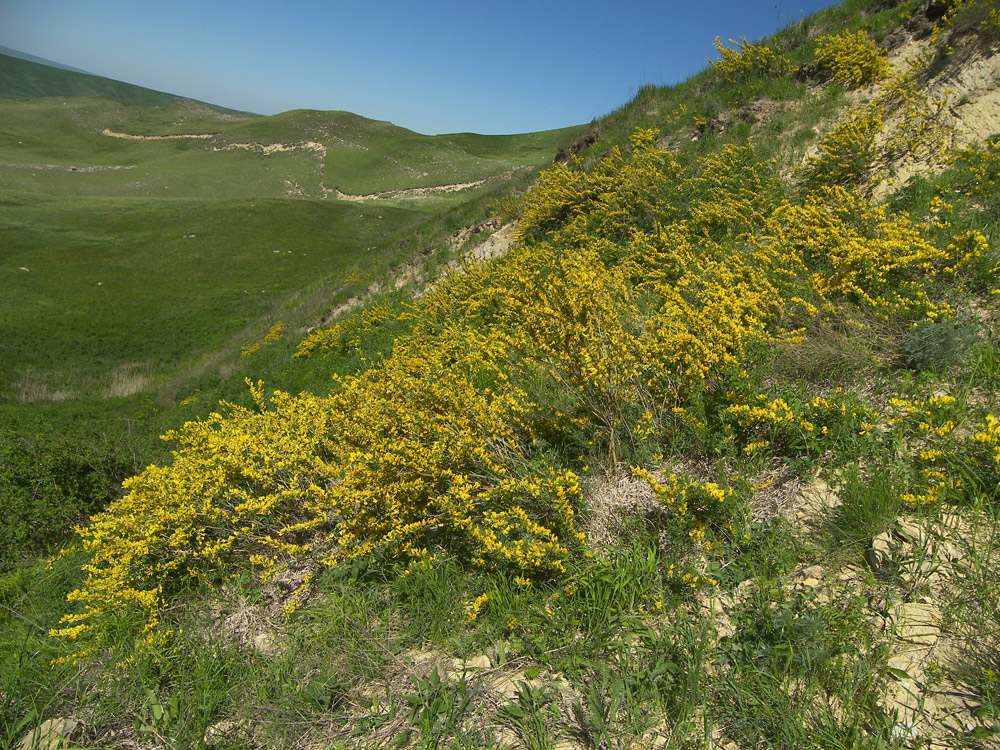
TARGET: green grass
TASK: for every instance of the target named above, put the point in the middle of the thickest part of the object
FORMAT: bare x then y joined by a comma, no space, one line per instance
238,238
167,282
22,79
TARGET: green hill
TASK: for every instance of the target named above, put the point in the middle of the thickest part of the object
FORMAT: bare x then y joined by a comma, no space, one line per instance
199,197
24,79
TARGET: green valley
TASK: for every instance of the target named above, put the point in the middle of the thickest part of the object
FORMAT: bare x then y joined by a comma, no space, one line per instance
156,238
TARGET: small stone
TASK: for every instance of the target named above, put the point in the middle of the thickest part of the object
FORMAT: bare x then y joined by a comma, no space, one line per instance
883,544
874,558
223,732
52,734
925,610
264,643
849,573
815,571
917,623
911,532
903,730
481,662
909,662
948,551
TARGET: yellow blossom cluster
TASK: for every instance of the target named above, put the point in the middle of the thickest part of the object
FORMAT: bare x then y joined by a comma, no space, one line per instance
639,285
347,333
848,152
687,501
851,151
240,483
989,436
852,59
855,250
947,458
273,334
746,61
801,427
923,127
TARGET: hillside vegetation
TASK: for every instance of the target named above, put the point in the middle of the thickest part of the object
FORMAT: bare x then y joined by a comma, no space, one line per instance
708,458
145,247
26,79
238,216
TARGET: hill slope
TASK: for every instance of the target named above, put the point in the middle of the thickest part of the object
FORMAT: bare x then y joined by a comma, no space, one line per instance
25,79
710,458
200,196
40,60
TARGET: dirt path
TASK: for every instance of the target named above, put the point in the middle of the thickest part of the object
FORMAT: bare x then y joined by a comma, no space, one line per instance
275,148
406,192
134,137
267,149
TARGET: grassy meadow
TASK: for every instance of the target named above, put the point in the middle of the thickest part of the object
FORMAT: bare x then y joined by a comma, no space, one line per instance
158,254
710,458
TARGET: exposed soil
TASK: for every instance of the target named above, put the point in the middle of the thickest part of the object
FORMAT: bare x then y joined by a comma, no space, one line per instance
134,137
416,192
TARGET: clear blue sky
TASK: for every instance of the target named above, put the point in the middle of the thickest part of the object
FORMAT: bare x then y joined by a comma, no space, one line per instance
434,67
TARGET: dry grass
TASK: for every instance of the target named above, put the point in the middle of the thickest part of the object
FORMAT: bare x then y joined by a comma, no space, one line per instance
129,379
32,386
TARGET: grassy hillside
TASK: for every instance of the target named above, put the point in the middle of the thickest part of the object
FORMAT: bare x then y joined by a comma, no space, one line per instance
236,216
24,79
710,458
144,247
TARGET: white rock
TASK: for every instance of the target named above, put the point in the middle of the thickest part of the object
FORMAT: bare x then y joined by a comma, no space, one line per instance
52,734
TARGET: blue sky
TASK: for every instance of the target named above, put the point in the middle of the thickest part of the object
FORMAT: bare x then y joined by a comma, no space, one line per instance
433,67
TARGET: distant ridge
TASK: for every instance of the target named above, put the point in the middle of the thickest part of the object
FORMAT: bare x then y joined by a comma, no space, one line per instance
25,79
40,60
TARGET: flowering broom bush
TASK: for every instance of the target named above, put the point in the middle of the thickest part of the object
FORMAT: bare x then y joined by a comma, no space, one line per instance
640,286
852,59
747,61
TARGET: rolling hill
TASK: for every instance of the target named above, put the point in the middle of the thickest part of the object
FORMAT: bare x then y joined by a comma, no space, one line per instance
240,217
29,79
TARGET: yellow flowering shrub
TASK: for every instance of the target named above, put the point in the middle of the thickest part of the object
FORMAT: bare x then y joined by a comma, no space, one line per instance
976,19
345,334
746,61
847,155
980,167
924,129
857,251
274,334
639,289
797,428
243,482
732,194
620,188
390,459
989,436
950,463
852,59
689,502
